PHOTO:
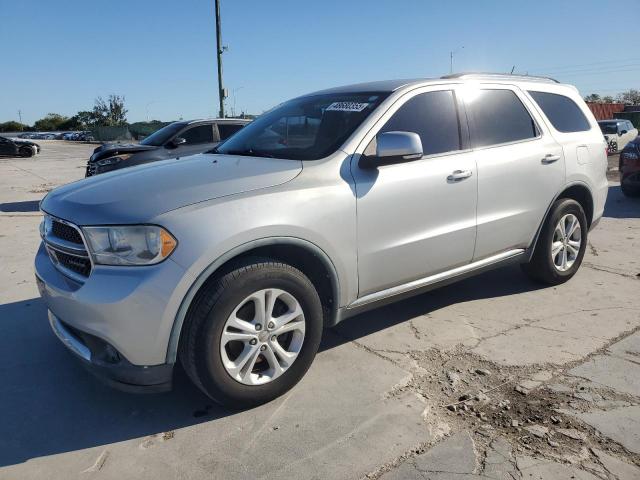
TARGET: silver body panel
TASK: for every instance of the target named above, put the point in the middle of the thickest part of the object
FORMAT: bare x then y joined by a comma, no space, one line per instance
384,232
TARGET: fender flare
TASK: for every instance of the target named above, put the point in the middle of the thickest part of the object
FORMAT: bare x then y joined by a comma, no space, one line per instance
176,329
532,247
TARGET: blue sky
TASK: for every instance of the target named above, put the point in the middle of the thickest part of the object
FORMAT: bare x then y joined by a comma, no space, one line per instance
160,54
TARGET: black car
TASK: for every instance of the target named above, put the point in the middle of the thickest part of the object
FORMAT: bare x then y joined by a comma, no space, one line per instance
177,139
630,168
12,147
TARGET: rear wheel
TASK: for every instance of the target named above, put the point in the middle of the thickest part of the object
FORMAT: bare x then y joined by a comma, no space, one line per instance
561,245
252,333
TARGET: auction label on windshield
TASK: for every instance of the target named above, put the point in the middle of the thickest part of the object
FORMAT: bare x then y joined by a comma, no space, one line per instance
347,107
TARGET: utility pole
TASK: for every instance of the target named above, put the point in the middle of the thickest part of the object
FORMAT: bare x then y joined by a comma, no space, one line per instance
220,50
20,115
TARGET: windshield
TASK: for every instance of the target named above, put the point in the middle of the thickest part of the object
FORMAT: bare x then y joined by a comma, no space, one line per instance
162,136
609,127
306,128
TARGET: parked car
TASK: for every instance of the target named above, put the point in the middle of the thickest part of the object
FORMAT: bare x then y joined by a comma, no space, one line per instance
630,168
13,147
617,133
328,205
178,139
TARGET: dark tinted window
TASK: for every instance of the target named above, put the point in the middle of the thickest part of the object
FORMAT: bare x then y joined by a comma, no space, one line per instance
227,130
498,116
431,115
199,134
608,127
162,136
562,112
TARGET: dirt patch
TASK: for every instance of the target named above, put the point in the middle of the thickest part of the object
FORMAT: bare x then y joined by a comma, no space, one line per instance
527,406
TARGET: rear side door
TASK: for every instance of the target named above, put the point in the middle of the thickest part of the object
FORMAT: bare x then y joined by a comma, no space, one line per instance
413,218
520,167
199,138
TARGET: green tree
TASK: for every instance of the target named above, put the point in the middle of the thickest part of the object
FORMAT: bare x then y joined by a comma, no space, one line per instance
111,112
12,126
608,99
594,98
630,97
51,121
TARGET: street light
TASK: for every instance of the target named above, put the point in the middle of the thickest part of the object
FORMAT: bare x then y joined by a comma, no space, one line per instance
234,98
451,54
147,108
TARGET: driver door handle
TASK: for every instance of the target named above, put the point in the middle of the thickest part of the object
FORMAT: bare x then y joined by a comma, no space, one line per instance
458,175
550,158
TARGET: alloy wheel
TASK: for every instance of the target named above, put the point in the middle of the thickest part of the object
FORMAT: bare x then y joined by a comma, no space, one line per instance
262,337
566,243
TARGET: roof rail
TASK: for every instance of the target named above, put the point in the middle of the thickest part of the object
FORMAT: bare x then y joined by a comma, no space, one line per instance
501,76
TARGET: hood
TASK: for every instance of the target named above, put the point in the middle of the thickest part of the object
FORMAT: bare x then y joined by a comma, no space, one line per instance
139,194
110,149
23,142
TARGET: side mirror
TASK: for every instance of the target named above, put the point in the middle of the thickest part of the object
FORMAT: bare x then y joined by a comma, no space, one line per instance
395,147
622,132
176,142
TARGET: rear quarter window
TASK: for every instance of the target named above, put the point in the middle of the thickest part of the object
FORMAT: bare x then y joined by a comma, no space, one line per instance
562,112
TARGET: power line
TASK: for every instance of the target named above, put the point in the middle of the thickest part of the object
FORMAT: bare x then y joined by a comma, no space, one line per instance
572,66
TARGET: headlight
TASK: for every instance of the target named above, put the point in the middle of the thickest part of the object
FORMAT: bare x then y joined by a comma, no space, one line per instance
129,245
112,160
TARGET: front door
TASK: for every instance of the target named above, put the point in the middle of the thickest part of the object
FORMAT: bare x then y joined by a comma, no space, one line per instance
417,218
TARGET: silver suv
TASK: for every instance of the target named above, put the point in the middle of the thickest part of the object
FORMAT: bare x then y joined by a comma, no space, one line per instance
233,261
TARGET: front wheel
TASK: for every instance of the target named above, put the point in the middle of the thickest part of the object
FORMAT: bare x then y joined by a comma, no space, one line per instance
26,152
252,333
561,245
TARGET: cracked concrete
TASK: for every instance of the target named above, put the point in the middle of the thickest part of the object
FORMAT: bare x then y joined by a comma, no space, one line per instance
377,403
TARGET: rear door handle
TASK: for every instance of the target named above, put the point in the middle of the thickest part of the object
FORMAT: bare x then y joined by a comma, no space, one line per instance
458,175
550,158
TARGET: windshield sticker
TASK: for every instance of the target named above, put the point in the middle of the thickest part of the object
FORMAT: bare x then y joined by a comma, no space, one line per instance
347,107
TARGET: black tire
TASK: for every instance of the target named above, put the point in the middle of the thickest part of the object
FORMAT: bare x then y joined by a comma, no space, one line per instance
200,352
629,191
26,152
542,268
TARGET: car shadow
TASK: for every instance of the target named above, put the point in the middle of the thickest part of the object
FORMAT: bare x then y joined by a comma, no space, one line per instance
501,282
49,404
20,207
620,206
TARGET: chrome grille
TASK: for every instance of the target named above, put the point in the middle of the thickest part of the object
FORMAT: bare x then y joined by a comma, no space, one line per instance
66,248
66,232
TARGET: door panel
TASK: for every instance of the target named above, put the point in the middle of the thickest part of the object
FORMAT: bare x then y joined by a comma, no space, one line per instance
515,188
412,221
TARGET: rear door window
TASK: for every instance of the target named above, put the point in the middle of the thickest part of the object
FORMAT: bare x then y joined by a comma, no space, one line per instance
199,134
434,117
226,130
562,112
498,116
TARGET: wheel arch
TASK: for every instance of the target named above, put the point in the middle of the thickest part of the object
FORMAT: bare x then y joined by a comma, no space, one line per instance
577,191
302,254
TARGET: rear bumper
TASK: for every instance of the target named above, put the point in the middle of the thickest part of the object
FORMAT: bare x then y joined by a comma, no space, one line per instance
103,361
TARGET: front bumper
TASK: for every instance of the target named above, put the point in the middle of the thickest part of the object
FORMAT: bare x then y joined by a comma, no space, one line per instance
105,363
118,321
